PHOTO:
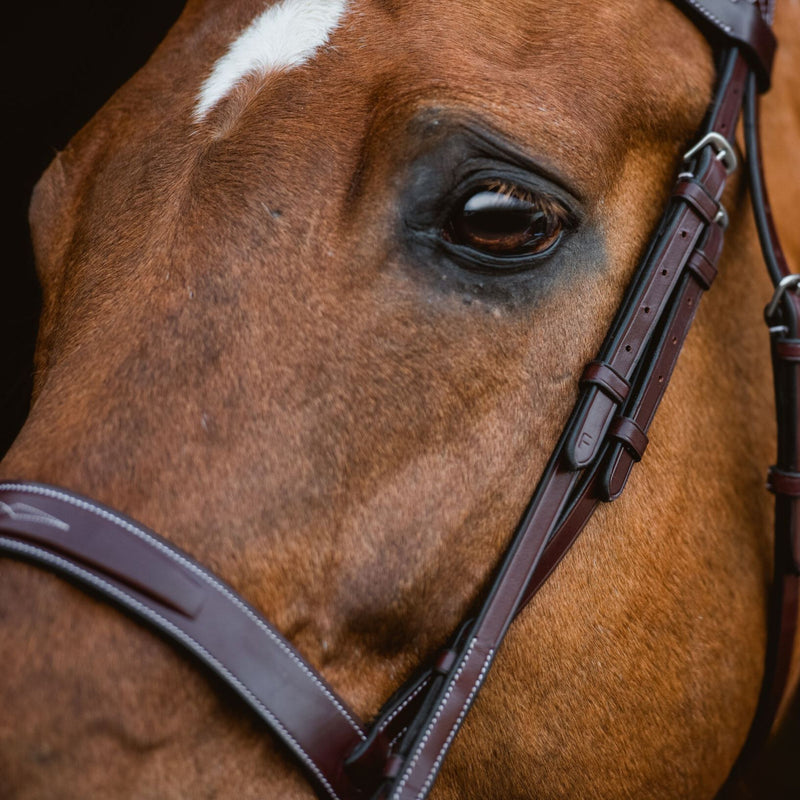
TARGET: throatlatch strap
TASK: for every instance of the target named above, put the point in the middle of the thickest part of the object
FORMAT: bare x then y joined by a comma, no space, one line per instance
782,316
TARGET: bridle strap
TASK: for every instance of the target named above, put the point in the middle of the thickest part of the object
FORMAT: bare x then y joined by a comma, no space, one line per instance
782,316
655,317
638,402
740,23
133,567
398,757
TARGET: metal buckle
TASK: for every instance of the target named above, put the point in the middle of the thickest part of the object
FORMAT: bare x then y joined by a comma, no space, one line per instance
725,152
789,282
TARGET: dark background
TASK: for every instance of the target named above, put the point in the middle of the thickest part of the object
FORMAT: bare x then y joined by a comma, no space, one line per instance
61,62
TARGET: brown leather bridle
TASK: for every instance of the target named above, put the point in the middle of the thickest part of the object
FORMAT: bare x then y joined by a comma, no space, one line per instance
398,755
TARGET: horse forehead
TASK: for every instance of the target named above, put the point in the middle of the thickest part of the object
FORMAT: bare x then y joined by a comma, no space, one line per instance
282,35
285,35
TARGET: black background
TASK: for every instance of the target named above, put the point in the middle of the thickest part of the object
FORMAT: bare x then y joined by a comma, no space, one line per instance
60,62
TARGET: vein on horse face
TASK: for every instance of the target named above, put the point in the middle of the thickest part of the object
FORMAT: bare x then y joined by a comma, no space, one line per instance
284,36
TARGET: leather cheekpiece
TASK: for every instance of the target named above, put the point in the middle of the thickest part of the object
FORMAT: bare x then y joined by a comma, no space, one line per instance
742,23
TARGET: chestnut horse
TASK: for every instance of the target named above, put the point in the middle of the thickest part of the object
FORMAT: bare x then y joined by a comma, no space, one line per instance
279,327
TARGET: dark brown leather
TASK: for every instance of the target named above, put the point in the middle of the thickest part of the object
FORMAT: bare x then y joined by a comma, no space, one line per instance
599,409
742,22
694,194
705,270
643,409
587,435
81,535
629,432
102,549
788,349
784,326
785,483
607,380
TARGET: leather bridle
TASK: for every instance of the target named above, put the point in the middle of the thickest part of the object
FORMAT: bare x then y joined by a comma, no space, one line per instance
398,755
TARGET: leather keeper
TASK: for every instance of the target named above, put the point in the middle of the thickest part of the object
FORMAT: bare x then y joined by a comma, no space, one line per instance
701,267
788,349
617,473
698,198
608,380
445,661
783,483
627,431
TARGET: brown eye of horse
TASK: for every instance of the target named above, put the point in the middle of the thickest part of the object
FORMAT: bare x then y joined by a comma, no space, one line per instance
506,220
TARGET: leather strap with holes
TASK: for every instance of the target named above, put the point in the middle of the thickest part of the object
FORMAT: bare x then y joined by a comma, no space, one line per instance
664,296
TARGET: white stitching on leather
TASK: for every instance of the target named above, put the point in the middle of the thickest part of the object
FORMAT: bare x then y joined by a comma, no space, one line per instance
26,513
188,641
399,708
765,7
400,734
456,725
706,13
424,740
197,571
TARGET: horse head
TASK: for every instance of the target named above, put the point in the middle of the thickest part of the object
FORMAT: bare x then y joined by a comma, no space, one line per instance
319,283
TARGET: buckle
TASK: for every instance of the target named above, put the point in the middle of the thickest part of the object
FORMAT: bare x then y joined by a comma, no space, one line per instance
789,282
724,149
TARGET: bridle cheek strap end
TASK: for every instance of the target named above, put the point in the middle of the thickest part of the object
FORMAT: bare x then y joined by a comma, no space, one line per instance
742,23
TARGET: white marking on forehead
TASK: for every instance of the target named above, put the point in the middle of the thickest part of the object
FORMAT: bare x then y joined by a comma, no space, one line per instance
286,35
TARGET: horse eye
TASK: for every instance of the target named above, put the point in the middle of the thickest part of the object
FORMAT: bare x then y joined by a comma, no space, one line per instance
506,220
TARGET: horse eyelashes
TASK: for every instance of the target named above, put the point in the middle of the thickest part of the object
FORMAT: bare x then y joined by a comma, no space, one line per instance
501,219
